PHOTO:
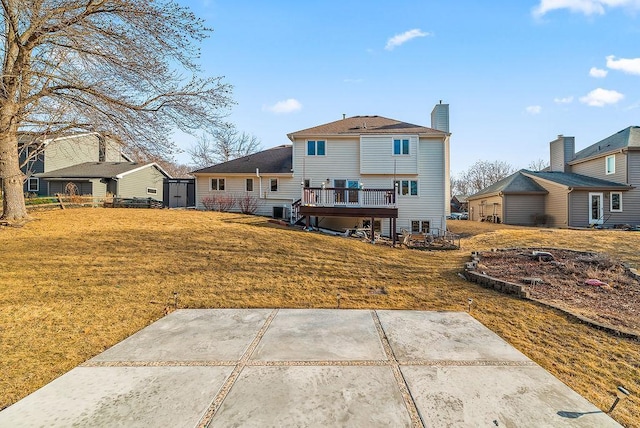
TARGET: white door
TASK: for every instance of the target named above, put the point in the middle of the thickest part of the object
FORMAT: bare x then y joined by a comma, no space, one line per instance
596,208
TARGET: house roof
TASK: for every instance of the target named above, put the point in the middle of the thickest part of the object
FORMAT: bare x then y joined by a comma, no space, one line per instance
277,160
99,170
576,181
515,183
628,137
358,125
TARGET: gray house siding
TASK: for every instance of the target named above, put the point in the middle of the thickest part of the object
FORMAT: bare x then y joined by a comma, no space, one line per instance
136,184
522,209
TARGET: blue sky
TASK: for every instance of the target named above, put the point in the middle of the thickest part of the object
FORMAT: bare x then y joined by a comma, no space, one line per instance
515,73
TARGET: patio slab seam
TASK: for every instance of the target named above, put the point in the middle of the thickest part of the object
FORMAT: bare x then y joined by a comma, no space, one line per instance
414,414
228,384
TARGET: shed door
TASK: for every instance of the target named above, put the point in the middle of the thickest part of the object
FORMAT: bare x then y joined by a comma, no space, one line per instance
177,195
596,209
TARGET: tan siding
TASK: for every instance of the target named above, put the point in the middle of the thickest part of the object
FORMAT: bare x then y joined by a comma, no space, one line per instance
482,207
134,185
556,149
376,155
556,204
522,209
596,168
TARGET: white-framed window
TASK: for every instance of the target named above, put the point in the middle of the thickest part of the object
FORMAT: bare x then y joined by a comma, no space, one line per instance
610,164
615,202
33,184
273,184
216,184
152,191
249,185
420,226
316,148
400,146
407,187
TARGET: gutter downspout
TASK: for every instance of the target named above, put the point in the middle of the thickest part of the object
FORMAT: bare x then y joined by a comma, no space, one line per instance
259,181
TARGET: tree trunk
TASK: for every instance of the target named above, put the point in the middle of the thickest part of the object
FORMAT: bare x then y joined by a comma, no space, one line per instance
12,178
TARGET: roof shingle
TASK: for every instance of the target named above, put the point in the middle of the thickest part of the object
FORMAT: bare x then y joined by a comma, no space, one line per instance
277,160
358,125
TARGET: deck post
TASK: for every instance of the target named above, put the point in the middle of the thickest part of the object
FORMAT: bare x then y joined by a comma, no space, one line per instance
308,221
373,238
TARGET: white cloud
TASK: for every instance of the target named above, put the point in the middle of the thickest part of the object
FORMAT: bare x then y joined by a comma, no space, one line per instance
565,100
400,39
533,109
287,106
587,7
599,97
597,72
626,65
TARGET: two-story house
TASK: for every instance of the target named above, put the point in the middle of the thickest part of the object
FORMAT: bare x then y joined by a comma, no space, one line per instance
358,170
597,186
89,163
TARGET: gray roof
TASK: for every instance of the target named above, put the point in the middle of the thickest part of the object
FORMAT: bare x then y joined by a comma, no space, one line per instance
577,181
516,183
277,160
628,137
358,125
94,170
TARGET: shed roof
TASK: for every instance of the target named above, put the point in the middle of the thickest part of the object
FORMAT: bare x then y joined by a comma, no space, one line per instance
277,160
358,125
98,170
628,137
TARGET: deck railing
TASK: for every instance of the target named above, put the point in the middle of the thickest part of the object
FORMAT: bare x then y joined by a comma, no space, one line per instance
348,197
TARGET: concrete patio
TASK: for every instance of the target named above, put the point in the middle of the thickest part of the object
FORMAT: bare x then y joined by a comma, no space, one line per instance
321,368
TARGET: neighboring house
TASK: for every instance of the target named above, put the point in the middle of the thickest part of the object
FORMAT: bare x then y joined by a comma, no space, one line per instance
459,204
120,179
46,155
348,173
597,186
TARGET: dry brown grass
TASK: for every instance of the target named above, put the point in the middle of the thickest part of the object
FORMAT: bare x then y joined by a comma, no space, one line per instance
78,281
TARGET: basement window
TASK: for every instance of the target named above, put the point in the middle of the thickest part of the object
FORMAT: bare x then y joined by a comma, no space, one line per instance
420,226
152,191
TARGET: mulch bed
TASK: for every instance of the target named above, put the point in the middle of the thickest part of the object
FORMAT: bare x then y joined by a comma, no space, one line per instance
565,282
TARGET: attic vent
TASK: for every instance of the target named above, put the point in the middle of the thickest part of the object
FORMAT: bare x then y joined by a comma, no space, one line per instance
364,125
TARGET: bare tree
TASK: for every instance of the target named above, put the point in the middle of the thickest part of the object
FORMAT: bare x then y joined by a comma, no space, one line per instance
538,165
223,144
115,67
480,175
